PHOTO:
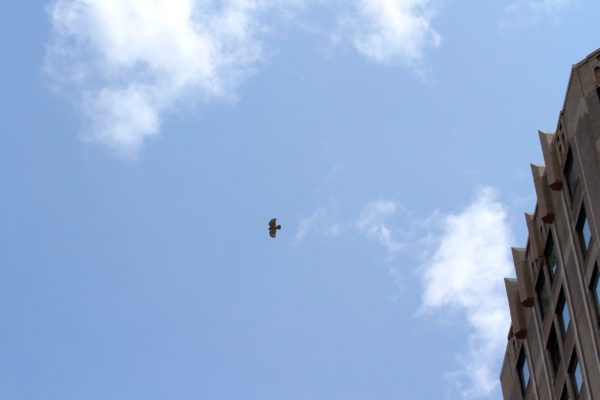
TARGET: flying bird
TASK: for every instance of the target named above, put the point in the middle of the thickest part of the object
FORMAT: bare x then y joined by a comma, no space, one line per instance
273,227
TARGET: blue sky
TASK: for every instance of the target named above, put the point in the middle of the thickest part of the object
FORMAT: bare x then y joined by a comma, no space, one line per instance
146,144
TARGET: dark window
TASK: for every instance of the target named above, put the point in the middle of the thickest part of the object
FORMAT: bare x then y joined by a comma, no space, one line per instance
563,313
542,293
570,174
583,230
564,395
550,255
523,370
597,79
553,350
575,374
595,287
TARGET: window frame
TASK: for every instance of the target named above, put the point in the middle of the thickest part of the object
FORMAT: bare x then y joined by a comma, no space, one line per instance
542,293
550,255
522,362
575,373
595,289
561,307
553,348
570,177
580,228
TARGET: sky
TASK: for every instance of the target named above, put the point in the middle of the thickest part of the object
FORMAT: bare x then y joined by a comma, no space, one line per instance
147,143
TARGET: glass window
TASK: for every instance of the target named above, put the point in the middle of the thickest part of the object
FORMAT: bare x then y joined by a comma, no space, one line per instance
542,293
553,350
550,255
565,394
523,369
563,313
570,174
583,230
595,287
575,373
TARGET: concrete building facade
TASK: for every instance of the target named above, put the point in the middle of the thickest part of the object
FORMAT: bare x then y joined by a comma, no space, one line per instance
553,349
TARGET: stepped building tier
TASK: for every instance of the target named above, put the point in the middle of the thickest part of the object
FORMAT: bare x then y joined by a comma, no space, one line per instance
553,349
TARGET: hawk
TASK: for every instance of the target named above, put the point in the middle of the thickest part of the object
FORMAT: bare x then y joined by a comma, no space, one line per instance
273,227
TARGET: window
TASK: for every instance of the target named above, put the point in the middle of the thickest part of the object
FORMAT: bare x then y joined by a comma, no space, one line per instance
542,293
595,287
563,313
550,256
523,370
564,395
553,350
575,374
597,79
570,174
583,230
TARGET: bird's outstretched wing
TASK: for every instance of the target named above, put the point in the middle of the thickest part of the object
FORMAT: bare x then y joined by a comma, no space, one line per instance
273,227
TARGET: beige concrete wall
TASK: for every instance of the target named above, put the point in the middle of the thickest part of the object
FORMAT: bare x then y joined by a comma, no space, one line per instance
578,129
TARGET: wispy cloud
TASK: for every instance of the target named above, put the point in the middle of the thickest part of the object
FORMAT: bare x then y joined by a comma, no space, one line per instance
533,11
464,258
323,221
392,31
309,223
127,63
464,273
373,222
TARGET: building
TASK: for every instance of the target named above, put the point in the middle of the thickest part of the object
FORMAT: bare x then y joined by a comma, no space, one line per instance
553,349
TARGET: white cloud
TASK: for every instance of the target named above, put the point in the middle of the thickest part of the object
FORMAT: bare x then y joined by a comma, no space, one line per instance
532,11
465,259
122,119
130,61
464,273
392,31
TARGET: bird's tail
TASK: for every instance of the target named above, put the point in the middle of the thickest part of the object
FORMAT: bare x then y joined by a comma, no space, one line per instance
278,227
